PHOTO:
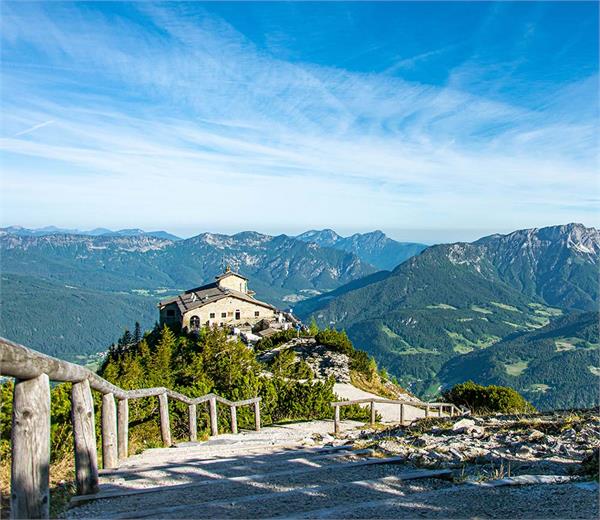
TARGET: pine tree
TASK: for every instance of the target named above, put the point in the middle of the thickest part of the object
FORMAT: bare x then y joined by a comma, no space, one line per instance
159,367
313,328
137,333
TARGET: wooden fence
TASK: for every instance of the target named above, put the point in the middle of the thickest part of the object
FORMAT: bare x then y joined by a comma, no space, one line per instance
30,440
429,408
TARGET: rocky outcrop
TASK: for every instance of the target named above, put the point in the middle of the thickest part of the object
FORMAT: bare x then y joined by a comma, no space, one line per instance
323,361
496,447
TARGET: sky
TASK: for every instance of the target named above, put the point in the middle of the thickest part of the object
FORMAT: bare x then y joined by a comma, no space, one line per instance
430,121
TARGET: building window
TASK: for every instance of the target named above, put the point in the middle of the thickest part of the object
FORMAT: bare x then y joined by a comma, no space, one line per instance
230,314
237,314
195,322
256,314
223,315
211,315
170,312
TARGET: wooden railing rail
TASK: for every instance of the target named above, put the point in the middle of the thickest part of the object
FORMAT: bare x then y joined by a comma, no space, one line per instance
30,439
449,408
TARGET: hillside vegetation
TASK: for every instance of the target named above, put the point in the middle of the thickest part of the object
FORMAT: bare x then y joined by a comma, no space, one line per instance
556,366
457,299
68,322
67,293
193,365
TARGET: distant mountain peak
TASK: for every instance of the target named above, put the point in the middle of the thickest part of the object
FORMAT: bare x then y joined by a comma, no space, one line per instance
373,247
96,232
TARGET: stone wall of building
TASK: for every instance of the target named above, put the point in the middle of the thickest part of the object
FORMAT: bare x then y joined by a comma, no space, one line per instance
235,283
212,313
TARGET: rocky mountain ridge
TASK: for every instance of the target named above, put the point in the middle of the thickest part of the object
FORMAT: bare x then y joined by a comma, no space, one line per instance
375,247
454,299
53,230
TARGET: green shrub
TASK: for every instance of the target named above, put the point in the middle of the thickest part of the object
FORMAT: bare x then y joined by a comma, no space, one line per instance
283,336
335,340
339,341
488,399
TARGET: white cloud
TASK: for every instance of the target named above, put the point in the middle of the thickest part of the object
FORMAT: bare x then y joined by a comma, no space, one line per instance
191,124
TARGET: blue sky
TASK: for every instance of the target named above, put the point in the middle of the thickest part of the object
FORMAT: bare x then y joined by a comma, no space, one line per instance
431,121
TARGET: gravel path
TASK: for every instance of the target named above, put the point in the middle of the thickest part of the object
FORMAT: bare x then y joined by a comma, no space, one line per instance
390,413
563,501
280,473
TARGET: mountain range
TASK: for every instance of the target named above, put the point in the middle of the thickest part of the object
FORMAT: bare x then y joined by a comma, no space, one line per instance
374,248
53,230
85,272
454,299
507,309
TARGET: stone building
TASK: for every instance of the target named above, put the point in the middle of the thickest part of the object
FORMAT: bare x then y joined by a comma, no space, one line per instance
226,301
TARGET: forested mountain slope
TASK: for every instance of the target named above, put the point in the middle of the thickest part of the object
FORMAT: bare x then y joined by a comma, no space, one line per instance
556,366
72,294
457,298
281,268
69,322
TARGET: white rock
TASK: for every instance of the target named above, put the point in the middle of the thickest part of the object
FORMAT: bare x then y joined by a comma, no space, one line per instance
463,425
536,435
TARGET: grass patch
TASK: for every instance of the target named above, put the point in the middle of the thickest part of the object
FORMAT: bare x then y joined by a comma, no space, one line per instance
374,385
517,368
442,306
505,307
390,333
539,388
481,310
513,325
545,311
462,349
563,345
464,345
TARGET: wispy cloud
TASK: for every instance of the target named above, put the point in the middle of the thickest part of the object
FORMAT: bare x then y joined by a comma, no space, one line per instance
179,111
34,128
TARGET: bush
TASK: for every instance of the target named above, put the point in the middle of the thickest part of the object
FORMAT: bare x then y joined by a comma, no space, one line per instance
488,399
339,341
335,340
283,336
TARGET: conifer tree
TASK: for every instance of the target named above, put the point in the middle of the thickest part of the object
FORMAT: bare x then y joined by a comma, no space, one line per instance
137,333
159,366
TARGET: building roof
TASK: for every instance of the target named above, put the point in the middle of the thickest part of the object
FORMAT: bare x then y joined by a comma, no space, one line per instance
201,296
229,272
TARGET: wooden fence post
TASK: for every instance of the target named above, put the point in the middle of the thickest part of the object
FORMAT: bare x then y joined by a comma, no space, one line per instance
402,414
373,416
30,438
193,423
426,411
123,428
336,419
165,426
212,410
234,428
440,411
84,438
257,415
110,456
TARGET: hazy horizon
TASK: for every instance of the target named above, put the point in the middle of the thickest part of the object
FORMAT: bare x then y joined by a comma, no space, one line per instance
423,236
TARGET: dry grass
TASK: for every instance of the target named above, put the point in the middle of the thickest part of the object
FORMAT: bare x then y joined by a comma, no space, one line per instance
376,385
